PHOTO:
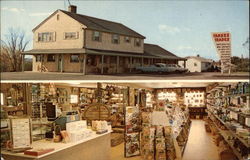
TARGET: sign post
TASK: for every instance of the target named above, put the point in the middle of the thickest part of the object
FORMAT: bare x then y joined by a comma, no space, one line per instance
222,42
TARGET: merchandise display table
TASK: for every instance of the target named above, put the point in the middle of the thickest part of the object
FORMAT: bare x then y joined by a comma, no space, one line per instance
95,147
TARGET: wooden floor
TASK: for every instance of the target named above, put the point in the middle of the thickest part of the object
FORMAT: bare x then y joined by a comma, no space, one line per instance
200,145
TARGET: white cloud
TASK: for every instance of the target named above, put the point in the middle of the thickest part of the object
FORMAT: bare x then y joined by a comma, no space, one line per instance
172,30
16,10
39,14
168,29
185,48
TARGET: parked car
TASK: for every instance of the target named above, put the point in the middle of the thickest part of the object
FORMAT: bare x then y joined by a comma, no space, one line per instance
156,68
175,68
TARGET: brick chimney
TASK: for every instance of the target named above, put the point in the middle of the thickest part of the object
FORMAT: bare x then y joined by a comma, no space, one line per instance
72,8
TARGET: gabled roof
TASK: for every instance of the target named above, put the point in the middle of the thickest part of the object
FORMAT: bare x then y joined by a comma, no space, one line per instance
103,25
98,24
201,59
156,50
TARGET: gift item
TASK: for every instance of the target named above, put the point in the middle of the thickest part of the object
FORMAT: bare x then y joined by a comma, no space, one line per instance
20,132
100,125
132,144
38,151
132,131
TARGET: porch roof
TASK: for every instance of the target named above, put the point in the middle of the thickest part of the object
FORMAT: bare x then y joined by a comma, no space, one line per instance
54,51
145,54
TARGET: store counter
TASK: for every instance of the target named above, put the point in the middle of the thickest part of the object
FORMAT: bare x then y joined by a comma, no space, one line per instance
95,147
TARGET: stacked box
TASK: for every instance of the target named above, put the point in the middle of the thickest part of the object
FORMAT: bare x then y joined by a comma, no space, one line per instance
160,149
170,149
147,143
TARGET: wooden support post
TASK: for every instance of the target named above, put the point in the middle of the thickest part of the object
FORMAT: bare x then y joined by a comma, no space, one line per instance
102,64
142,61
23,56
117,64
61,63
184,63
131,64
42,59
84,64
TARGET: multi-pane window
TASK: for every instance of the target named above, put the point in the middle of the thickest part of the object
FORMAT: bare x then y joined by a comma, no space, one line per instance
137,42
96,36
51,58
74,58
45,37
38,58
127,39
115,39
70,35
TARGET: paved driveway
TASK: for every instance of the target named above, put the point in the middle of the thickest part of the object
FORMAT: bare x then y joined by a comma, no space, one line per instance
28,75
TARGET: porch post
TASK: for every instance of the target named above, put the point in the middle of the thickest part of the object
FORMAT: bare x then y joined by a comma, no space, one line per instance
117,64
84,64
184,63
61,63
42,59
102,64
142,61
131,63
23,56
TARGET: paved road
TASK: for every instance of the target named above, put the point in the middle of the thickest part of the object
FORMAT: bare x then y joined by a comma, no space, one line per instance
77,76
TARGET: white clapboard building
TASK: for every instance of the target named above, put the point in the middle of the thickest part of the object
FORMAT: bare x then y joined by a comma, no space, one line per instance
197,63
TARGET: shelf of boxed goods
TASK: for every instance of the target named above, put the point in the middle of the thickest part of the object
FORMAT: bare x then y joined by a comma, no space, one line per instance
184,146
184,123
224,134
230,130
233,95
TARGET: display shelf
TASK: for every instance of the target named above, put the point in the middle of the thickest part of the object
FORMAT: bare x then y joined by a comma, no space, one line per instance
229,109
224,134
234,95
243,141
185,144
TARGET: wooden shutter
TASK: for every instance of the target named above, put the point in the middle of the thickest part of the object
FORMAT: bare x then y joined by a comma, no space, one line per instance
36,35
77,35
100,39
54,36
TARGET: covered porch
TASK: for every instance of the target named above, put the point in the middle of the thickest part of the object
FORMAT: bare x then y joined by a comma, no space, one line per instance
92,61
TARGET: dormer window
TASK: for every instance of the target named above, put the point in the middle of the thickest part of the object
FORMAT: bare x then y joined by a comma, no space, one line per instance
115,39
96,36
127,39
137,42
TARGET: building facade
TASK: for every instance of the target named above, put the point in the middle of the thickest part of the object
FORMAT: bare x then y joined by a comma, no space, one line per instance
71,42
197,64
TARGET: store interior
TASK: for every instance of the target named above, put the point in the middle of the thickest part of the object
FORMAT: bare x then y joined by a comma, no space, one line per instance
135,121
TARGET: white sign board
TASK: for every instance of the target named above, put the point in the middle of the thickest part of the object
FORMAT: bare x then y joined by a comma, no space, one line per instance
222,41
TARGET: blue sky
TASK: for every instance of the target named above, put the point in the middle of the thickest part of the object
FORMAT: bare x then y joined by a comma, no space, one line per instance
182,27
